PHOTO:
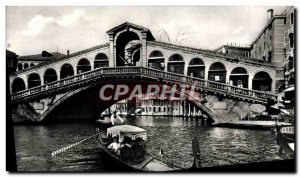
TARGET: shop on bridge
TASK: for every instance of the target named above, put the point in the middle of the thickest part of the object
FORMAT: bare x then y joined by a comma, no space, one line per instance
101,60
217,72
50,76
176,64
18,84
83,66
239,77
156,60
262,81
196,68
34,80
66,71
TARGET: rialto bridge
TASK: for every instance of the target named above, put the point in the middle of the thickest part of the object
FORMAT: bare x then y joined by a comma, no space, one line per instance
132,54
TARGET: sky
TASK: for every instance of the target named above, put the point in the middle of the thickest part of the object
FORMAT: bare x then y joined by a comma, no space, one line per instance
30,30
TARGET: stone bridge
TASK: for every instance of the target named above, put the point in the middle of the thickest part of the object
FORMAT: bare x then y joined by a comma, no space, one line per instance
132,54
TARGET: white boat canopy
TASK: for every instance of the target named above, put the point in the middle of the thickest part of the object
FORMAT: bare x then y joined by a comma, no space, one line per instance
122,131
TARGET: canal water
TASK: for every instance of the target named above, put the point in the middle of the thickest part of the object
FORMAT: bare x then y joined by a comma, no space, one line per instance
219,146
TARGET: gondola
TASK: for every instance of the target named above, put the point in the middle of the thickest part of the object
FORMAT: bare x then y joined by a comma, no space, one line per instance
131,152
286,141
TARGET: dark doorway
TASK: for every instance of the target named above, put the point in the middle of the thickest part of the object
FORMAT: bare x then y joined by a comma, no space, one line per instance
196,68
262,81
17,85
217,72
66,71
34,80
50,76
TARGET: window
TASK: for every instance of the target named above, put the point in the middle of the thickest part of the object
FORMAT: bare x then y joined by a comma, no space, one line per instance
292,18
291,36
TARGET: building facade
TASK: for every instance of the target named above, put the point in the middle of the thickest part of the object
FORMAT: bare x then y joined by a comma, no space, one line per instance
275,45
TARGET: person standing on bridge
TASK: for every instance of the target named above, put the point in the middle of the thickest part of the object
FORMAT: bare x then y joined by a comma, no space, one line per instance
116,119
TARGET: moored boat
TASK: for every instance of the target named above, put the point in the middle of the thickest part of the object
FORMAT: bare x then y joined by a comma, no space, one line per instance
286,141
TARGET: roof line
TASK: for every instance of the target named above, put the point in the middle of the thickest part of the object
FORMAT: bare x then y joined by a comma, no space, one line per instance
216,54
62,58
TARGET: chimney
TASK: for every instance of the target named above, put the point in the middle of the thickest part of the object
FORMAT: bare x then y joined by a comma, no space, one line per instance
270,14
68,53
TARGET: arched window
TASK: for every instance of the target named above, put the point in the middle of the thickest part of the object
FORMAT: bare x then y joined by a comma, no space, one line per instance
66,71
31,64
18,84
34,80
26,65
156,60
176,64
101,60
83,66
239,77
217,72
50,76
196,68
262,81
20,66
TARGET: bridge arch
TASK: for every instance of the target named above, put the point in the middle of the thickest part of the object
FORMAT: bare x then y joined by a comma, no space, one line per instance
50,75
83,65
196,68
217,72
18,85
239,77
156,60
176,64
101,60
262,81
66,70
90,95
34,80
122,39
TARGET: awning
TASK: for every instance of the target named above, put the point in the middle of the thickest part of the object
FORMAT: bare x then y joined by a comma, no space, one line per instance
289,89
285,111
122,131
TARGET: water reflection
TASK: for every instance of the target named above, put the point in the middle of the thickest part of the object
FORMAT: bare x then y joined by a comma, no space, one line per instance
219,146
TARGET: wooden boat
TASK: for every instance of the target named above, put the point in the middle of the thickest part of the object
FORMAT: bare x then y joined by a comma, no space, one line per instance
132,152
286,141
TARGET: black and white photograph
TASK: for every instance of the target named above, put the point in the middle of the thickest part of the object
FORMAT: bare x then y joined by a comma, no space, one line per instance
150,88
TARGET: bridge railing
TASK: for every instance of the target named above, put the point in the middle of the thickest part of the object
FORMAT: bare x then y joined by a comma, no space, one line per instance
154,73
207,84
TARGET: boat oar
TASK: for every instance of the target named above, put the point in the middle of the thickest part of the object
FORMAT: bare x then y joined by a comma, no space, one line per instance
54,153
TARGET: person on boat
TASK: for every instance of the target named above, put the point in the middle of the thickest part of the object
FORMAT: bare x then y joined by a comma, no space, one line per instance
115,146
116,118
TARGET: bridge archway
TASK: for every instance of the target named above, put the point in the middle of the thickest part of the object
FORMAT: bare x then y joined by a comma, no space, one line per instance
101,60
176,64
66,71
83,66
31,65
122,40
217,72
26,65
156,60
262,81
18,85
89,95
196,68
50,76
34,80
239,77
20,66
